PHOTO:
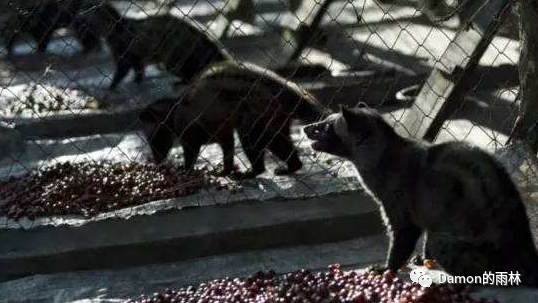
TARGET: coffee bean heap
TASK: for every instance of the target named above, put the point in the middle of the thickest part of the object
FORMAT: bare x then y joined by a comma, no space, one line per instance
39,98
303,286
89,188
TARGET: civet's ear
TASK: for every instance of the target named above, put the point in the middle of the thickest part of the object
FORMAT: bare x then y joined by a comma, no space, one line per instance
347,113
354,120
362,105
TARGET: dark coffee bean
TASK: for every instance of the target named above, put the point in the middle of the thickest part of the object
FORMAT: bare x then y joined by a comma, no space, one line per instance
305,287
88,188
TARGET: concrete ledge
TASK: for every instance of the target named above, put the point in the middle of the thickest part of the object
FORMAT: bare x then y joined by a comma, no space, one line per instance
185,234
113,286
85,123
11,141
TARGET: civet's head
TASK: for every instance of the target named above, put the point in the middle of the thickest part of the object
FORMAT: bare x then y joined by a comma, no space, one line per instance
158,128
350,132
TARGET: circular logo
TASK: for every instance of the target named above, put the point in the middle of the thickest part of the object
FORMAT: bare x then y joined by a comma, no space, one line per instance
416,273
425,281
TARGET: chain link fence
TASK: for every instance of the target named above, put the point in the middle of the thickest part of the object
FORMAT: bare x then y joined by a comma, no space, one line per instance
91,92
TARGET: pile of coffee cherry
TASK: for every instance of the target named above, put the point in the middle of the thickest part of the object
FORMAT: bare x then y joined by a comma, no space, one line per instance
40,98
303,286
89,188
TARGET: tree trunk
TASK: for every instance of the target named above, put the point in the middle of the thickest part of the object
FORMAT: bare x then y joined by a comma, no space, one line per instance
525,127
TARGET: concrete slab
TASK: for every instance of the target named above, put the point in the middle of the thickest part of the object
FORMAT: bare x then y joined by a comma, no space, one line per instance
183,234
117,285
11,141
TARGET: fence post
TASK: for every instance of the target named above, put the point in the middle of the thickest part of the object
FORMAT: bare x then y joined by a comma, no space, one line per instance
526,127
450,78
310,16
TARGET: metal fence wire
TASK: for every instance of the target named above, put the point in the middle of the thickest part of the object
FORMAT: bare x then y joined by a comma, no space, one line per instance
124,107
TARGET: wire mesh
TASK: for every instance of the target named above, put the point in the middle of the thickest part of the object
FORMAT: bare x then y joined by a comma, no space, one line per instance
73,148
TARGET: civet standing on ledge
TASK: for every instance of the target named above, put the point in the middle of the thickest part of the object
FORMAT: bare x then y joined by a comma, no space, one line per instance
458,195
